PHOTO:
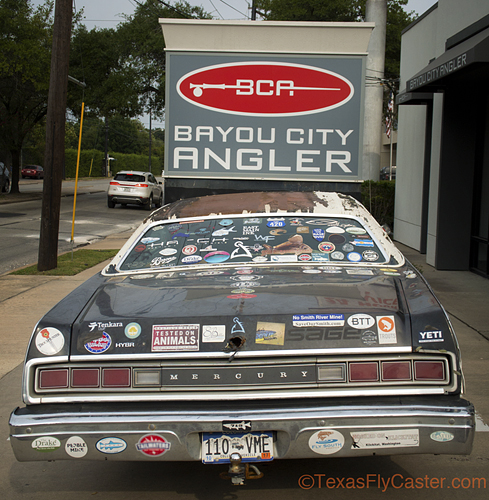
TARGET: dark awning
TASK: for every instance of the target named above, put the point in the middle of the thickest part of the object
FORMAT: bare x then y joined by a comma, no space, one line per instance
472,50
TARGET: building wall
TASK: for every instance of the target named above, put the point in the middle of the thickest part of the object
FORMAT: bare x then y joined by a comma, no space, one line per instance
423,41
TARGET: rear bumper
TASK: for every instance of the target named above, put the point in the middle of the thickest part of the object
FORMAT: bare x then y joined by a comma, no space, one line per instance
443,425
132,199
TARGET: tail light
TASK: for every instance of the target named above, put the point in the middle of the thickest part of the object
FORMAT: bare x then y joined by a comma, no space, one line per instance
429,370
85,377
53,379
114,183
364,372
396,370
141,185
116,377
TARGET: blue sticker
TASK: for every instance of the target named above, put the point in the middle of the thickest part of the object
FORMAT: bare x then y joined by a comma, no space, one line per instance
354,257
226,222
363,243
216,257
318,234
276,223
99,345
111,445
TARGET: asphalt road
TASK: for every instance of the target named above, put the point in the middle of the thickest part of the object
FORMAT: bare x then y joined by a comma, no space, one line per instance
20,222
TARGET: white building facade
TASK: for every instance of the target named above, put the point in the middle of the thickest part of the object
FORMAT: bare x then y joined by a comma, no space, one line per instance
442,186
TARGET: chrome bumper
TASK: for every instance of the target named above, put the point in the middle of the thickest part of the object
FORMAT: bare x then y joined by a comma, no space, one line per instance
444,425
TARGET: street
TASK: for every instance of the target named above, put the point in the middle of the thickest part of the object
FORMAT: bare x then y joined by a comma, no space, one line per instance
20,222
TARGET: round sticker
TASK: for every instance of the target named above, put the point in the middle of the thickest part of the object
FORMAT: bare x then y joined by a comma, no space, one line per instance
153,445
189,249
355,230
226,222
326,247
354,257
49,341
99,345
149,240
305,257
335,229
326,442
191,259
370,255
133,330
76,447
348,247
216,257
46,443
111,445
361,321
337,239
168,251
140,248
338,255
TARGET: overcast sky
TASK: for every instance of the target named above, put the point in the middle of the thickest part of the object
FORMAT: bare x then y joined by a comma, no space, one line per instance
107,13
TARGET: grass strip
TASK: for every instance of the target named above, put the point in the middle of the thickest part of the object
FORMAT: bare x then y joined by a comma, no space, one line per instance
70,264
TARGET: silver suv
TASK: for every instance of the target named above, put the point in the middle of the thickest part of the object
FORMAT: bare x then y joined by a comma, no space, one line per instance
132,187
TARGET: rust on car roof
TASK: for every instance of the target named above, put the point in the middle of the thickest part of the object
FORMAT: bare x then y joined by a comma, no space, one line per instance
258,202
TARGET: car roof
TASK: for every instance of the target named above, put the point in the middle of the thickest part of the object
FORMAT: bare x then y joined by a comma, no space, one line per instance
138,172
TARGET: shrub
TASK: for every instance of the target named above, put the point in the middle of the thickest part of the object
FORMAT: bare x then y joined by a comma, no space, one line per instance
378,198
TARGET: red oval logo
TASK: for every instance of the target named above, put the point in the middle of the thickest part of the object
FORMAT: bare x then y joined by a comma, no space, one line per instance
265,89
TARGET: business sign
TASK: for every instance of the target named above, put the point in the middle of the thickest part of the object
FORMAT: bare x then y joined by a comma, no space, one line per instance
264,117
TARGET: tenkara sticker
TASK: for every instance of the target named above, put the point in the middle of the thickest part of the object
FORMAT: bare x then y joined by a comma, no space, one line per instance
99,345
387,330
153,445
132,330
111,445
385,439
326,442
270,333
175,338
307,320
46,444
441,436
49,341
76,447
213,333
361,321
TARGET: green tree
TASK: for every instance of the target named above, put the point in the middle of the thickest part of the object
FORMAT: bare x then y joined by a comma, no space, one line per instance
344,11
25,56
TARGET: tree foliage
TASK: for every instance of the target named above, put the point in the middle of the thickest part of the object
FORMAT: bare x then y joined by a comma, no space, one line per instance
344,11
25,58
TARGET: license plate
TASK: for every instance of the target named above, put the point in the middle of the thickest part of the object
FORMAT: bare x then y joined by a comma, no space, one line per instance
127,189
252,446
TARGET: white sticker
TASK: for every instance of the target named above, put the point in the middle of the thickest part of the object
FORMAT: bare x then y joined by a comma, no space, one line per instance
311,320
214,333
361,321
111,445
326,442
46,443
387,330
283,258
76,447
49,341
441,436
385,439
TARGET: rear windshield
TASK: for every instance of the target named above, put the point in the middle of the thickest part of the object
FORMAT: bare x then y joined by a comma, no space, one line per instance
261,239
129,177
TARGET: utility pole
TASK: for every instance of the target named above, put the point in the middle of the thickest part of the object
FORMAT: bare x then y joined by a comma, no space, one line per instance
55,137
150,141
376,11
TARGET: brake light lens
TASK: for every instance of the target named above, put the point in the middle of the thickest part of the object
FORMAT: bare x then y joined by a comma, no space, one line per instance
429,370
116,377
85,377
364,372
141,185
114,183
396,370
53,379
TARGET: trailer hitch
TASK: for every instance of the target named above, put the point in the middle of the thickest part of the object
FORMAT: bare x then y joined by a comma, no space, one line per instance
238,471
